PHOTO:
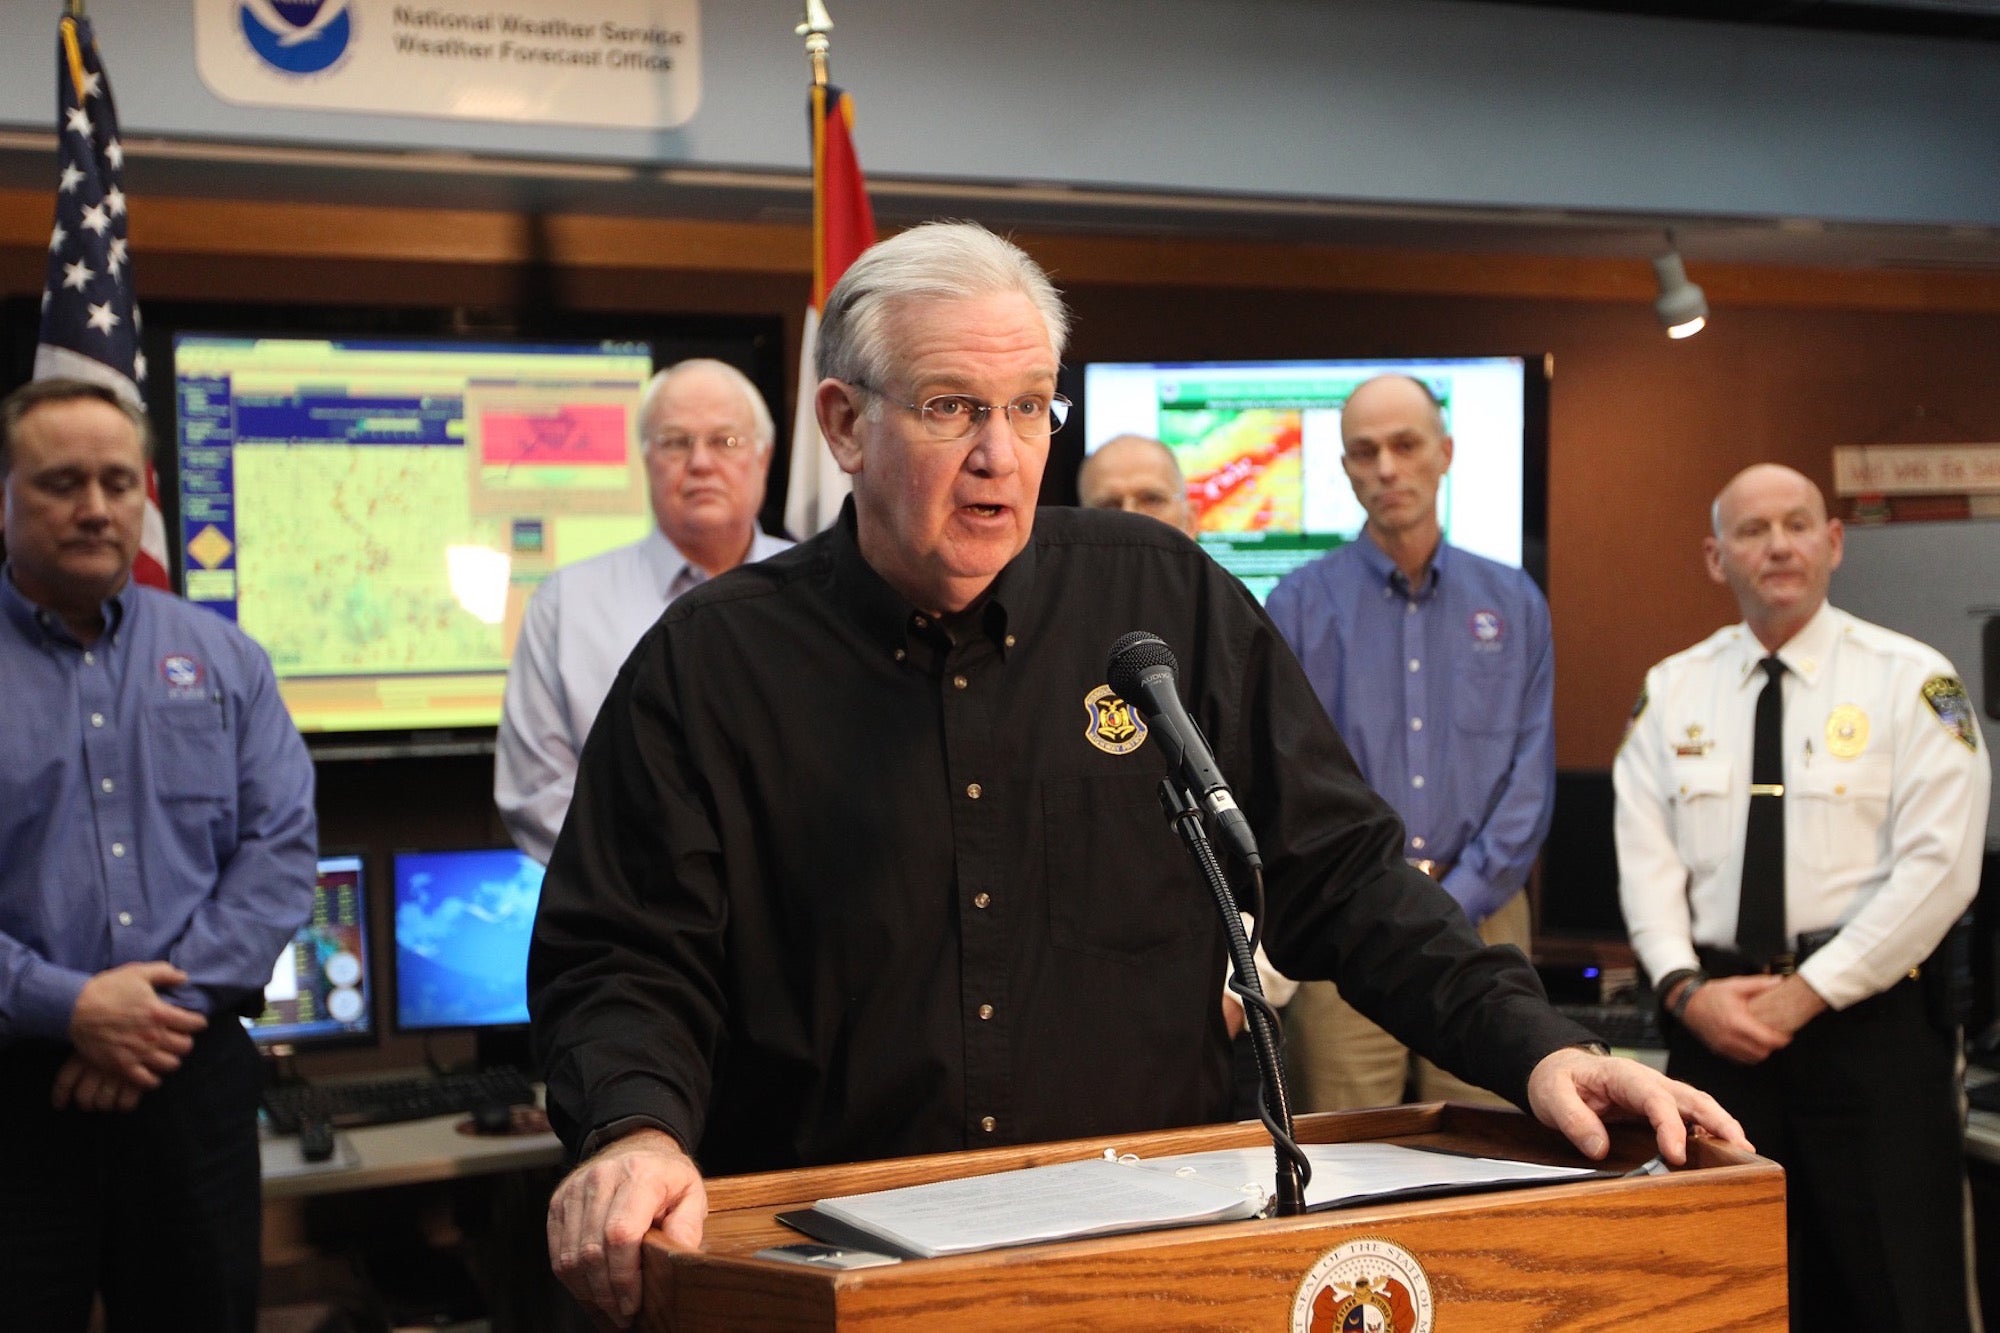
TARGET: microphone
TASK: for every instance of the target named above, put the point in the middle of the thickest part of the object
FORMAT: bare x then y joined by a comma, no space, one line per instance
1143,673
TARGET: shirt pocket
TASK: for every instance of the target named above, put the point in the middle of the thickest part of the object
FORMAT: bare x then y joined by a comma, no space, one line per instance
192,757
1843,812
1702,808
1120,886
1487,694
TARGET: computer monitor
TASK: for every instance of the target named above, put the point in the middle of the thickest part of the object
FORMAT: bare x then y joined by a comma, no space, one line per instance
376,512
319,993
463,920
1259,443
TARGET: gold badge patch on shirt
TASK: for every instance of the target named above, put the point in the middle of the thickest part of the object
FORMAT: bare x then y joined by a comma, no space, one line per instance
1846,731
1947,699
1114,728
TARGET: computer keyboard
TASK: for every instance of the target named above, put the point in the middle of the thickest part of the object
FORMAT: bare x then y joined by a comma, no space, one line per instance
385,1101
1624,1025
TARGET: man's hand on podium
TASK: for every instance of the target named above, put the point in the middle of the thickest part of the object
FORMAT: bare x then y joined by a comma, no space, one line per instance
603,1210
1575,1090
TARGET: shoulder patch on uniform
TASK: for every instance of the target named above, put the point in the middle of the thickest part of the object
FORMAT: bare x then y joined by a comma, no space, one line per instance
1638,708
1947,699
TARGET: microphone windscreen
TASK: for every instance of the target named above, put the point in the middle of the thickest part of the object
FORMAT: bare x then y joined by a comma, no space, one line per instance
1132,656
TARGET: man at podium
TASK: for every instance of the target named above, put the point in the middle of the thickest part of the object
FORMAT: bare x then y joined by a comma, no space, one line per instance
867,860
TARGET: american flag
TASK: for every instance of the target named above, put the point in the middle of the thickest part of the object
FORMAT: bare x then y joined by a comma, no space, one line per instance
90,318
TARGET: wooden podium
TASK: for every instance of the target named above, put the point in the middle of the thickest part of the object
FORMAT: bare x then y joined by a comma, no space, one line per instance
1702,1247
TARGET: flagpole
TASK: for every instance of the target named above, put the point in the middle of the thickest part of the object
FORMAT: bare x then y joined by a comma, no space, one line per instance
815,29
74,8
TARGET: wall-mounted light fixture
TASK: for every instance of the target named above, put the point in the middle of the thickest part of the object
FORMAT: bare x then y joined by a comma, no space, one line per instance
1682,306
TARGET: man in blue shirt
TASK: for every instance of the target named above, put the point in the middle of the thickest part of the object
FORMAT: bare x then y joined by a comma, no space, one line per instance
156,853
1437,668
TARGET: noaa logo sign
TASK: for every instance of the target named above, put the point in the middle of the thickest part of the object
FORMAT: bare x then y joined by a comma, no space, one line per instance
1369,1285
180,671
297,36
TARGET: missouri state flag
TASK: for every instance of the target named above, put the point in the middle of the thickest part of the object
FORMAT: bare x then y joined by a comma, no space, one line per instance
843,226
90,318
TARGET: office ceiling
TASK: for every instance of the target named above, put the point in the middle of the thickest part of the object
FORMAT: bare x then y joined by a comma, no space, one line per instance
1978,19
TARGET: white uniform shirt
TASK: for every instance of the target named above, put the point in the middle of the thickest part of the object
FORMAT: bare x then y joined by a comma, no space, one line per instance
1885,801
580,626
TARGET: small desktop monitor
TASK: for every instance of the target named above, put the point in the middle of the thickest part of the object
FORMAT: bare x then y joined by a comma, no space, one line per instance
463,921
319,993
1259,443
377,512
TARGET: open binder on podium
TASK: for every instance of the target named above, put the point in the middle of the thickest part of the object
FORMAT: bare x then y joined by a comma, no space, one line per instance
1616,1247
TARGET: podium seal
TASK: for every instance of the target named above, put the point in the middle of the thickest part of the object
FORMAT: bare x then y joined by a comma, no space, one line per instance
1367,1285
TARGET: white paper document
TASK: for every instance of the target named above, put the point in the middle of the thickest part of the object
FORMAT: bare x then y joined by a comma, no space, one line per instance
1345,1172
1100,1197
1095,1197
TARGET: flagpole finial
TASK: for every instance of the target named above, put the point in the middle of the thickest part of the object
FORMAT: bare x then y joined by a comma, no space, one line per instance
73,8
817,25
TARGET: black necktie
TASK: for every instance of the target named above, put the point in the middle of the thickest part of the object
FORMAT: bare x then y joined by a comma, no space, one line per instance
1760,915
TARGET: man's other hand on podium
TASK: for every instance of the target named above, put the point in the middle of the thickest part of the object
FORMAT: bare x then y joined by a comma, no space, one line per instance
1575,1091
603,1210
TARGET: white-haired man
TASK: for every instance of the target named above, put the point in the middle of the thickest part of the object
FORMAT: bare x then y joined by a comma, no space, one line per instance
707,436
867,859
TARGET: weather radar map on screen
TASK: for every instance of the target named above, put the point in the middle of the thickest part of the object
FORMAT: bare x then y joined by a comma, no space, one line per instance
376,513
1259,444
318,992
463,919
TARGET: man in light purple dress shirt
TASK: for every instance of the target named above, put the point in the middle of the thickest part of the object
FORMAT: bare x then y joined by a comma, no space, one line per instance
157,839
1437,667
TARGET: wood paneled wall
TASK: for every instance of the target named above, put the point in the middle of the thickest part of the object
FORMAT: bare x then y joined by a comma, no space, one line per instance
1643,430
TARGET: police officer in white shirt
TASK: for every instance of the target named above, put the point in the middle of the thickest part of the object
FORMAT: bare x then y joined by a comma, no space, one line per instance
707,437
1789,903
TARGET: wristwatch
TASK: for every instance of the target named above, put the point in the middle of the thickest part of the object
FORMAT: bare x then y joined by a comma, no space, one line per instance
1694,978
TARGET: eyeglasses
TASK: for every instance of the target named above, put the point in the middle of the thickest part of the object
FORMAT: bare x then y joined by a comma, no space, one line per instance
958,416
679,444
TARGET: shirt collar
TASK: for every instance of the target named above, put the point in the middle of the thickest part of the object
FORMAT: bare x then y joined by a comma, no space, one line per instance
1390,575
663,559
35,622
886,615
1804,654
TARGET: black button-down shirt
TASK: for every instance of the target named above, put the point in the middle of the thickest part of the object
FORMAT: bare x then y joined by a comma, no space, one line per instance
841,882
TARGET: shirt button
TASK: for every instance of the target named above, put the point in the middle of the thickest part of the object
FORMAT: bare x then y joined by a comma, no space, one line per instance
1417,843
958,682
1416,724
1413,664
900,654
985,1011
1009,641
1409,608
982,900
124,918
919,621
118,849
1417,781
97,719
972,790
90,659
106,784
987,1122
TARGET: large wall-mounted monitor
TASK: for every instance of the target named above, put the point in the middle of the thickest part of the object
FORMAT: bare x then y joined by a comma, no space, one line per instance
319,993
1259,443
376,512
463,922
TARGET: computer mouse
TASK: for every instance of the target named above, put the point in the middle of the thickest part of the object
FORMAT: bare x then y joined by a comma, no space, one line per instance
315,1140
493,1118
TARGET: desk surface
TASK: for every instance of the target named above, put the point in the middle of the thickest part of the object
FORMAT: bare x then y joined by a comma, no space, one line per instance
401,1154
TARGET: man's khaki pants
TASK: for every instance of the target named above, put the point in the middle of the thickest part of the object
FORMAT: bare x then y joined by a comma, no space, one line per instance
1339,1061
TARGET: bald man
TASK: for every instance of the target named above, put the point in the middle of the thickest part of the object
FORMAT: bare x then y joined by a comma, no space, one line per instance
1438,668
1138,474
1801,815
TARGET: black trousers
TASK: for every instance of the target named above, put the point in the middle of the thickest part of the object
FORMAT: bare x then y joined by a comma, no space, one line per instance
1862,1110
158,1209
